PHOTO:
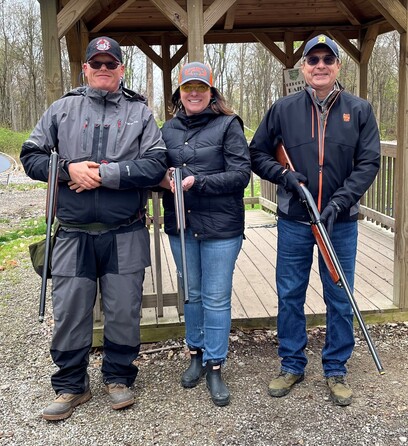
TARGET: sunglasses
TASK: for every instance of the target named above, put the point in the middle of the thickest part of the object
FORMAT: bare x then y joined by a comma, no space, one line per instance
199,88
96,65
328,59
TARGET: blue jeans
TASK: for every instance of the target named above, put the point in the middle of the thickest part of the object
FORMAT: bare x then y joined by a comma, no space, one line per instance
294,261
210,267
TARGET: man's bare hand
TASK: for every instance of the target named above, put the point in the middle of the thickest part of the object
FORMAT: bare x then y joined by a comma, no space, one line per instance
84,176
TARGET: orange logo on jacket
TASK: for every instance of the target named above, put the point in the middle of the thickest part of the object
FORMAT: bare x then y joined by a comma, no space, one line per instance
346,117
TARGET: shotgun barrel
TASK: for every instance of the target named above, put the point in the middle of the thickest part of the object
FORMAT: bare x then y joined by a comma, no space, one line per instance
49,216
181,225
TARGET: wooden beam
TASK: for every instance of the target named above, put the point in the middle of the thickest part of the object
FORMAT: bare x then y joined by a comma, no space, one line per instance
73,38
215,11
348,12
394,12
289,40
195,30
107,16
174,12
230,17
181,52
166,72
401,185
270,45
52,50
345,43
151,54
368,43
71,13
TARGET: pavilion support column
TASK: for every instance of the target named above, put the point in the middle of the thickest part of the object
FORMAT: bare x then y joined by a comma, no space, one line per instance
52,50
167,87
195,17
362,80
401,185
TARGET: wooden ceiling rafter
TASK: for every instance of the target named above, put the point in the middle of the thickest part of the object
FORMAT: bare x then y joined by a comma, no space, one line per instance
230,17
349,12
73,11
174,12
106,17
394,12
216,10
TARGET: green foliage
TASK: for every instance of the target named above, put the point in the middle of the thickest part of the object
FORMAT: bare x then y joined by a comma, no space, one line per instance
11,142
256,193
14,243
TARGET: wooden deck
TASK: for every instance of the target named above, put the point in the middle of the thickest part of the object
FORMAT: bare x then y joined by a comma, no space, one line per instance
254,299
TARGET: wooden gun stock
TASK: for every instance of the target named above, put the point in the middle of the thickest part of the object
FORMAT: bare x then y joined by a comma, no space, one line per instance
283,158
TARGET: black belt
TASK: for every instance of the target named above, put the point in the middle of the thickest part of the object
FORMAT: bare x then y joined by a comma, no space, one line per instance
98,226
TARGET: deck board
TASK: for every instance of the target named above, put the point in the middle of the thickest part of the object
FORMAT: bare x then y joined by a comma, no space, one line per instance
254,295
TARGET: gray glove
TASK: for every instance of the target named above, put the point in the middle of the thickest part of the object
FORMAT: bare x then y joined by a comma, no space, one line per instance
290,180
329,216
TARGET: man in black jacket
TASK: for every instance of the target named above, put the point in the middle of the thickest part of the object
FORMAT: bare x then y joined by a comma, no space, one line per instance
332,139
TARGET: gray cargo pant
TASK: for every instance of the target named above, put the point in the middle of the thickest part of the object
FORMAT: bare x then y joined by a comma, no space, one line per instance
117,258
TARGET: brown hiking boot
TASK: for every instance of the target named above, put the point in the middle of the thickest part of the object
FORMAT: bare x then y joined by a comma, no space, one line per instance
120,395
283,383
340,391
63,405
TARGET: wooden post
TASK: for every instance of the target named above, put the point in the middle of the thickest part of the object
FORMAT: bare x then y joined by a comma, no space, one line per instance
52,50
167,88
401,185
195,30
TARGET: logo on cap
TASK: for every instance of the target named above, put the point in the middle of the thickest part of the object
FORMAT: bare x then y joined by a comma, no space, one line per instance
195,71
103,45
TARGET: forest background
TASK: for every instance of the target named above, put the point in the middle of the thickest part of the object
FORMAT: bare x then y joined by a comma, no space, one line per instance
248,75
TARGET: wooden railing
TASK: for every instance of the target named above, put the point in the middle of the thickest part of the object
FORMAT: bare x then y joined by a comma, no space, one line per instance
377,205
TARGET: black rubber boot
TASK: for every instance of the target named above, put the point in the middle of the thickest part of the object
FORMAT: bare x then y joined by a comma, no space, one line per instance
195,371
218,390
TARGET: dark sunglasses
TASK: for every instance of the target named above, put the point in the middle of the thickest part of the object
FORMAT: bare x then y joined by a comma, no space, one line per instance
328,59
96,65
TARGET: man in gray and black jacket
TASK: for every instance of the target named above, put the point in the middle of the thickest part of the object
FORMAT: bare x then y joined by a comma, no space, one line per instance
110,151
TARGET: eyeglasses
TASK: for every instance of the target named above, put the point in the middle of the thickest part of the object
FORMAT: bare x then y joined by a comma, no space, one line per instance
96,64
328,59
199,88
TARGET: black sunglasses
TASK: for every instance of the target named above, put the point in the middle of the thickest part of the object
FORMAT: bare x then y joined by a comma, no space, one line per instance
328,59
96,65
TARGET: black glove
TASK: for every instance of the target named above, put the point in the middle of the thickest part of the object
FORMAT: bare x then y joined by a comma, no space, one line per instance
290,180
329,216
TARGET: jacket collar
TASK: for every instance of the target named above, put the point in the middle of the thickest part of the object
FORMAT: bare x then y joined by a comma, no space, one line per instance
198,119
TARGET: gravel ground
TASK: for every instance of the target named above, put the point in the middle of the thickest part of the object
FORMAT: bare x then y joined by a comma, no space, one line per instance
165,414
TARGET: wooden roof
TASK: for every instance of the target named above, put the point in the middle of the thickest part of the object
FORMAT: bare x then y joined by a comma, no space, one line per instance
229,20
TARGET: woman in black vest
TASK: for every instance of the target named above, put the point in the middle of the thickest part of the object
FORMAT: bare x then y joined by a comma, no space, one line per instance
206,140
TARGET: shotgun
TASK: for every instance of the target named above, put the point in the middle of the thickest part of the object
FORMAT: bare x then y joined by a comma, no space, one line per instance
328,254
49,218
181,225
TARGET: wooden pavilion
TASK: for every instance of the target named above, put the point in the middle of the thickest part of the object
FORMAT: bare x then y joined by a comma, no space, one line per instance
193,23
